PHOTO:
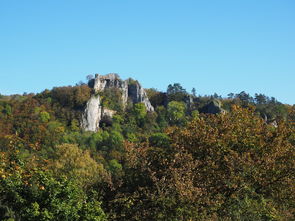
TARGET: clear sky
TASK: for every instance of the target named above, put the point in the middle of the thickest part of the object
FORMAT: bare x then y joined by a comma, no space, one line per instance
212,45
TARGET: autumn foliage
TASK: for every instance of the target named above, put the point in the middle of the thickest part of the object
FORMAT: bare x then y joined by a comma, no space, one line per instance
171,164
229,166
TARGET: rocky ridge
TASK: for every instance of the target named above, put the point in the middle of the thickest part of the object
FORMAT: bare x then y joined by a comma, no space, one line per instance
129,89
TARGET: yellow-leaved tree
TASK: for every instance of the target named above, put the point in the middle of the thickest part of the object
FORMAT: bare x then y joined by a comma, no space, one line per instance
71,161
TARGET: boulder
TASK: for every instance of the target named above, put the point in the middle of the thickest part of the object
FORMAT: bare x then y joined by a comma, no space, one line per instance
213,107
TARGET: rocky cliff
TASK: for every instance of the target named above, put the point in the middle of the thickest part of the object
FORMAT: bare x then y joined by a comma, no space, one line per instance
92,114
129,89
138,95
101,82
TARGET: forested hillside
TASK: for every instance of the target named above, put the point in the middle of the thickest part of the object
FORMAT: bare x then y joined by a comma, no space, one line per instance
191,157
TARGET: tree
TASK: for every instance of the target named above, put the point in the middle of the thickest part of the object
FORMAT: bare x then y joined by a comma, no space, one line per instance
76,164
75,125
175,88
162,117
228,167
159,140
28,192
54,133
194,92
195,114
81,95
231,95
115,140
245,166
72,97
140,113
176,92
7,110
115,166
261,98
156,186
245,98
176,112
44,116
156,97
42,197
89,77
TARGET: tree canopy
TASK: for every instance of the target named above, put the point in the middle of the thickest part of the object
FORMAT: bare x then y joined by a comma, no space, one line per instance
179,162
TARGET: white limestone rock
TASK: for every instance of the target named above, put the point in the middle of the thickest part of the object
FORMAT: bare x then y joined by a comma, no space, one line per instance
92,114
138,95
108,113
129,89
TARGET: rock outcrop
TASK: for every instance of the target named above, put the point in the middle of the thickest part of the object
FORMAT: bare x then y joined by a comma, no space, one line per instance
92,114
107,113
138,95
101,82
129,89
213,107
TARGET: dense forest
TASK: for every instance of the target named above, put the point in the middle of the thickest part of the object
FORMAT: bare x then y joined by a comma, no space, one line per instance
192,158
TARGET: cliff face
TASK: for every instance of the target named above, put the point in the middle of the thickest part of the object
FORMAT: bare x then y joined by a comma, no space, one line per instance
92,114
138,95
129,89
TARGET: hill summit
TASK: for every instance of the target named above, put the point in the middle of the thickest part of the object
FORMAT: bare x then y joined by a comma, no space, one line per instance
111,84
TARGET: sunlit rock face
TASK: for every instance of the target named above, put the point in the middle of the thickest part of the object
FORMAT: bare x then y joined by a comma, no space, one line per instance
138,95
129,89
108,113
92,114
101,82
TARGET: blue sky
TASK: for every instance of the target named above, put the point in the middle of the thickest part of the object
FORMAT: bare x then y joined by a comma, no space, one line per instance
214,46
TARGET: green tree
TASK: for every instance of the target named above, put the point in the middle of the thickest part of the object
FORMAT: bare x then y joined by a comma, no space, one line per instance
176,112
78,165
194,92
43,197
159,140
115,167
162,117
44,116
176,92
29,192
115,140
7,110
140,113
75,125
156,97
261,98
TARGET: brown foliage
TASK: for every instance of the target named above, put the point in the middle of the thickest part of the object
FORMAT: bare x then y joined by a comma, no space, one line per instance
230,166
